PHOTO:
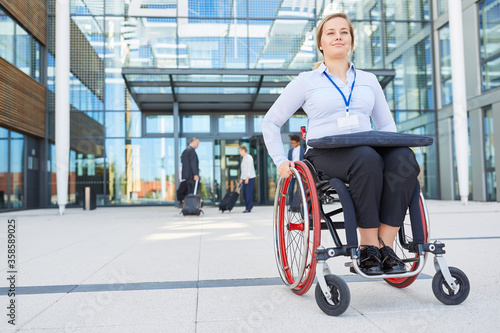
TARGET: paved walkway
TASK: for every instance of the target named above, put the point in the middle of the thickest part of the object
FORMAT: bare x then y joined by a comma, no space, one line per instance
149,269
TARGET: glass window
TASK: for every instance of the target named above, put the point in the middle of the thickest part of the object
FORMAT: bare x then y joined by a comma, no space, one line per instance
4,168
368,44
491,74
18,47
489,155
296,121
142,170
257,124
407,9
17,172
411,88
489,30
159,124
4,133
7,27
445,61
442,6
232,124
196,124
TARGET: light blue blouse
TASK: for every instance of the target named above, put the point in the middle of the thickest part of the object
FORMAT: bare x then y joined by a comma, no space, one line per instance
323,105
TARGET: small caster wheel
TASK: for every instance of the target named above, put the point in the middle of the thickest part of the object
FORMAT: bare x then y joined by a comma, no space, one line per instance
444,293
341,296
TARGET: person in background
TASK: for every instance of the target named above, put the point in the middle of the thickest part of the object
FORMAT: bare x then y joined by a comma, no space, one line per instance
247,178
190,171
296,153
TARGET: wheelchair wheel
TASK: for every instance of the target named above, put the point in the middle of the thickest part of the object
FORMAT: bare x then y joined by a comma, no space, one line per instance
444,293
297,228
341,296
403,252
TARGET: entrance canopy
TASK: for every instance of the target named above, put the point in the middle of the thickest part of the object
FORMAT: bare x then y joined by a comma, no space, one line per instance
156,89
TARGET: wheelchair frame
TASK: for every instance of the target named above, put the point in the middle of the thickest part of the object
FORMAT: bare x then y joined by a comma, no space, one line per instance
298,250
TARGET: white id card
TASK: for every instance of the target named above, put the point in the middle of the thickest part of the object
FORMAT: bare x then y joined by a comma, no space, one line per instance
345,123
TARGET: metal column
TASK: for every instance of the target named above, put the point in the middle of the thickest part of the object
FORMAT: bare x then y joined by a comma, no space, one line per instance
459,97
62,102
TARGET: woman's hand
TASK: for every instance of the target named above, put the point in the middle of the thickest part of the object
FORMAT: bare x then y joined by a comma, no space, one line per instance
284,169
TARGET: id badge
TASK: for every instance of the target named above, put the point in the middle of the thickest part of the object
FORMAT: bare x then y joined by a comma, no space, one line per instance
345,123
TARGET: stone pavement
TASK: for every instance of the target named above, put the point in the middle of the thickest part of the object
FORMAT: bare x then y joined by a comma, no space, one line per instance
149,269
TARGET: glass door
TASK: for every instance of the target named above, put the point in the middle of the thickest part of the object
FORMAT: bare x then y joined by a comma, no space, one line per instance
208,186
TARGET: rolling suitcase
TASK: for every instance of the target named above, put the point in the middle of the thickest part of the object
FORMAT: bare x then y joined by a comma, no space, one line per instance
192,203
229,200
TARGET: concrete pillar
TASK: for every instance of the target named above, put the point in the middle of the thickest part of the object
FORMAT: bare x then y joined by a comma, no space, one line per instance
62,102
477,155
496,136
176,145
446,178
459,97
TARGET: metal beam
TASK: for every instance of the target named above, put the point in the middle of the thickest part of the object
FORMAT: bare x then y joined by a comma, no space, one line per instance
173,88
257,92
230,71
208,84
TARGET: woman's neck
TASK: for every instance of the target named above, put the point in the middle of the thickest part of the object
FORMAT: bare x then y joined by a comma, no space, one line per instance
338,67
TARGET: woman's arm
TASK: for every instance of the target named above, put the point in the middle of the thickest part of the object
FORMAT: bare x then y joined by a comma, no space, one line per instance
290,100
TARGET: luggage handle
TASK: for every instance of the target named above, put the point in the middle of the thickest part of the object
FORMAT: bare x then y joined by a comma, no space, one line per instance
195,187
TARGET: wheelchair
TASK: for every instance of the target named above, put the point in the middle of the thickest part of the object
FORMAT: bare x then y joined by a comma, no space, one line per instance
307,202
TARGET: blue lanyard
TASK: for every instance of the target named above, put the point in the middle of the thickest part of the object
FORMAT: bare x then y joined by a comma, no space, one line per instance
346,101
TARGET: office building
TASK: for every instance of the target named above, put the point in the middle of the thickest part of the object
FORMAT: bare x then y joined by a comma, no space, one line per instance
147,75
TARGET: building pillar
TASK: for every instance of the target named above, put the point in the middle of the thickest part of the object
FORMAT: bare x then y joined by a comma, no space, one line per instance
496,136
476,120
446,178
176,146
62,101
459,97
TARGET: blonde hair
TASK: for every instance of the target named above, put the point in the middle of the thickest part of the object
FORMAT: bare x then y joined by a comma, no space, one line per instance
319,32
244,148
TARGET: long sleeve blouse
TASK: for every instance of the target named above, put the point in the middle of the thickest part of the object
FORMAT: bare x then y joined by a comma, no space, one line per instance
247,168
323,104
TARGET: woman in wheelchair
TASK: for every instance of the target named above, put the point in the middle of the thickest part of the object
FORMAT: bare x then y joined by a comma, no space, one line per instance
339,99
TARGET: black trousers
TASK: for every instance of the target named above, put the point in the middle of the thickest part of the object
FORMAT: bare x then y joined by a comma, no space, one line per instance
381,180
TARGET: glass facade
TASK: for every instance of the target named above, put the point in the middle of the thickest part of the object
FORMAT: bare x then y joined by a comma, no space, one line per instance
489,29
445,65
489,155
131,153
12,169
123,125
18,47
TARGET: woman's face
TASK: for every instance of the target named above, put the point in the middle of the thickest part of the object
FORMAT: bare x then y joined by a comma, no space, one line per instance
336,39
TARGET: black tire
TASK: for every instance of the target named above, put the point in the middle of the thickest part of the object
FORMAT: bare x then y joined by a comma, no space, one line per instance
341,296
445,294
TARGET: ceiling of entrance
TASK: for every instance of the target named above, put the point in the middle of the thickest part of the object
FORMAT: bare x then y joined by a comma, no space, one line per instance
156,89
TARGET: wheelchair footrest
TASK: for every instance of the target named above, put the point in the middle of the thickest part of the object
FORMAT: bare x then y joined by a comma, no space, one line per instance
410,260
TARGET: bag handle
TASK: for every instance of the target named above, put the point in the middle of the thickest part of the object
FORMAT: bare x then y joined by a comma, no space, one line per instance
195,187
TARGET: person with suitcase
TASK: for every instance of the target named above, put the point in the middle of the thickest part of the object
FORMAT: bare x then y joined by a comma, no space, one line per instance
247,177
190,170
192,203
229,200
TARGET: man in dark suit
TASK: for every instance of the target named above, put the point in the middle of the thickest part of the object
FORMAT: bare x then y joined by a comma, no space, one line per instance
190,171
296,153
